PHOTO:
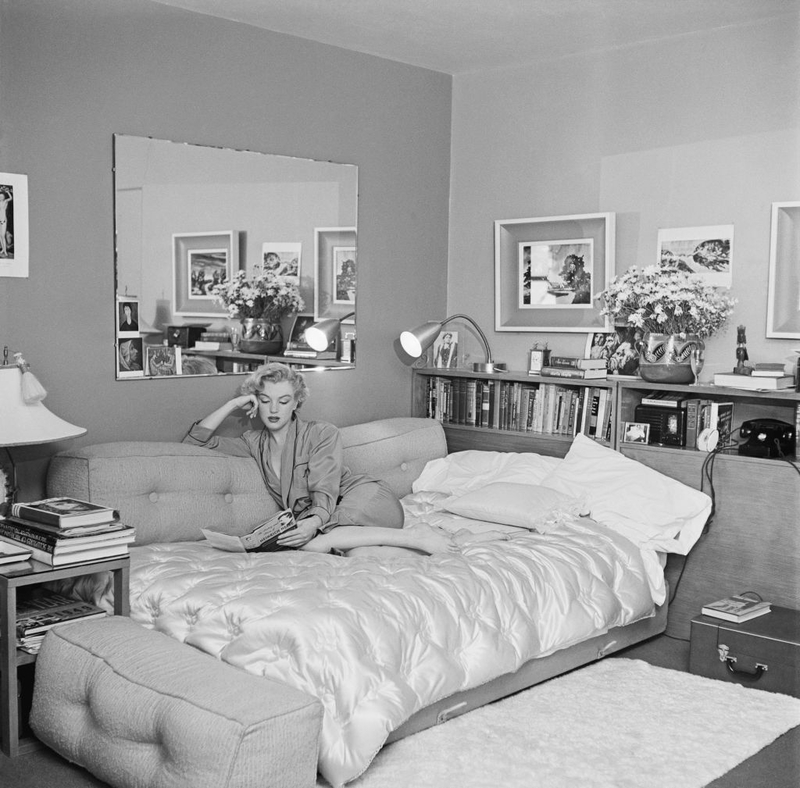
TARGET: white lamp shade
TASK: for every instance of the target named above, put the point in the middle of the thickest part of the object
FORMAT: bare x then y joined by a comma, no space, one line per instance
320,335
23,424
416,342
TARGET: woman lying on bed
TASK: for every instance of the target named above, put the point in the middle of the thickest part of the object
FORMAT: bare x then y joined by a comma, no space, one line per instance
302,466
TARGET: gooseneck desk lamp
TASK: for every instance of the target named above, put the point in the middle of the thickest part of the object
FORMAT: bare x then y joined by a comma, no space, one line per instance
416,342
24,420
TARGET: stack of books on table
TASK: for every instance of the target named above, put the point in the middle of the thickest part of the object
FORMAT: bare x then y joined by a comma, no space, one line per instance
39,614
736,608
574,367
63,531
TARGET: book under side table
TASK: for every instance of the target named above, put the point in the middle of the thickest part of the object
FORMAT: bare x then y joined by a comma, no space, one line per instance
13,577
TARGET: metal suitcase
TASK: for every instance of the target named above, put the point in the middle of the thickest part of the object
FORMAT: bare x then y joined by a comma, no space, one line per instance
763,652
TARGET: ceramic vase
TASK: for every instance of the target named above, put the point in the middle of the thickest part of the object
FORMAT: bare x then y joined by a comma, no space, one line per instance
666,358
261,336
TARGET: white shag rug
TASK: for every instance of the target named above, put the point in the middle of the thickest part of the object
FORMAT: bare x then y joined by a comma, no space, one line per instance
618,723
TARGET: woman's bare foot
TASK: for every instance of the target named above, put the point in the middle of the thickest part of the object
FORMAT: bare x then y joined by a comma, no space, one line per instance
431,539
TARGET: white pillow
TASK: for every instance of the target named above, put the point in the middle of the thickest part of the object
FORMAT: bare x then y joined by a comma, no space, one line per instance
528,506
643,505
462,471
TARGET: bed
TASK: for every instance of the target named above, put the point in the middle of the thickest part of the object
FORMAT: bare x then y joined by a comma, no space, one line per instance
563,564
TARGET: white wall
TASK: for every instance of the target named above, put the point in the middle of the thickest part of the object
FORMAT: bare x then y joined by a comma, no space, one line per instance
689,131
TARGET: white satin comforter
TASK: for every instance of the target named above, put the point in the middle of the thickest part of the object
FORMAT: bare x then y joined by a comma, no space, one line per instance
376,640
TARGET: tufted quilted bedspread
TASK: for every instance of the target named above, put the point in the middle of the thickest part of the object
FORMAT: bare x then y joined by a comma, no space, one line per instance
376,640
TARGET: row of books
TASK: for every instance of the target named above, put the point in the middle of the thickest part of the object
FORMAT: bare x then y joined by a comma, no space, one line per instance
546,408
63,531
39,614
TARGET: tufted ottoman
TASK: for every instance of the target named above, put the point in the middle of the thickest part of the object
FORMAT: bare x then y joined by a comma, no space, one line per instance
137,708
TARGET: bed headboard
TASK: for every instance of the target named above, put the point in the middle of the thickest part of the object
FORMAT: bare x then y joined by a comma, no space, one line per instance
168,491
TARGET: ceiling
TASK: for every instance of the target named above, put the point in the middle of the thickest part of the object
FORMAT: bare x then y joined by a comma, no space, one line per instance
458,36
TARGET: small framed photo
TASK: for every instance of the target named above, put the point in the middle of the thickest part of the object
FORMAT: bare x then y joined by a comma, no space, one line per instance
130,358
706,252
297,334
445,350
200,261
539,357
14,252
128,317
163,360
283,259
636,432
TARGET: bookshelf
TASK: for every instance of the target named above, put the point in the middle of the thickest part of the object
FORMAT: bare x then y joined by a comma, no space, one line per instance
513,411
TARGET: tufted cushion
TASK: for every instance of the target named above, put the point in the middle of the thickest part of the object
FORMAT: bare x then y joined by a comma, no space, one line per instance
140,710
169,491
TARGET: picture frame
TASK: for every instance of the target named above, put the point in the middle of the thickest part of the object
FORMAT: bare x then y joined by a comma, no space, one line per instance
282,258
297,333
14,239
636,432
445,349
130,357
163,360
618,348
127,317
201,260
706,252
550,270
333,246
783,292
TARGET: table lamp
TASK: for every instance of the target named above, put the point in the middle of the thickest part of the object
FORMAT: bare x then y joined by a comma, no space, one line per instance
24,420
416,342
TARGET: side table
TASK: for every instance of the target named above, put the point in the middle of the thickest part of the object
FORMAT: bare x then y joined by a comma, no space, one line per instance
12,577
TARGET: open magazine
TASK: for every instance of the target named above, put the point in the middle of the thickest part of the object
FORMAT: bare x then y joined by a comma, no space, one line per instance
263,538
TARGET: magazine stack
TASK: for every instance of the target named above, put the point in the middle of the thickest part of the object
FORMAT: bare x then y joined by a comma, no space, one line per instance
38,615
64,531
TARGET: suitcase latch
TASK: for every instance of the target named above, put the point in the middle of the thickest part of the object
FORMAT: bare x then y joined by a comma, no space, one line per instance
723,652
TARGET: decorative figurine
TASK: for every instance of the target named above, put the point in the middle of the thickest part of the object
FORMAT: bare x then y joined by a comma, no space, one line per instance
741,353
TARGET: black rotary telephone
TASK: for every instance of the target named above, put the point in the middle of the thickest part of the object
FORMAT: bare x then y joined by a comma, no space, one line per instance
767,438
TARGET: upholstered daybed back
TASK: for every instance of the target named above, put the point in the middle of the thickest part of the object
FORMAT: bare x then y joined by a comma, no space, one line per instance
168,491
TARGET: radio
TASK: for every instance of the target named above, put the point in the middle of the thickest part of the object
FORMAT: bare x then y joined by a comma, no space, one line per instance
667,425
767,438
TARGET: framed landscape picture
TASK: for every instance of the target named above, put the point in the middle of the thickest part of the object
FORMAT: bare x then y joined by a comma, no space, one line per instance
706,252
200,261
549,270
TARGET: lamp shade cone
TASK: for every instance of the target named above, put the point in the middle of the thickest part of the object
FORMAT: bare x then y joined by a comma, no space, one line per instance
22,423
416,342
320,335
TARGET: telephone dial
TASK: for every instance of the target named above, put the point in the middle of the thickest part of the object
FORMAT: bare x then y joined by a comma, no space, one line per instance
767,438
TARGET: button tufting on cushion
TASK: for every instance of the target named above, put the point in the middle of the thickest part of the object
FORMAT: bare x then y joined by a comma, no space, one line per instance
228,498
189,720
153,496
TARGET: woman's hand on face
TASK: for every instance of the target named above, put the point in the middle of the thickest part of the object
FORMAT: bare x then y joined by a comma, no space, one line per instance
248,403
304,532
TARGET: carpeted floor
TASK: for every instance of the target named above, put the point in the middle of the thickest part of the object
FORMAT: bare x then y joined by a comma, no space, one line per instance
618,723
777,765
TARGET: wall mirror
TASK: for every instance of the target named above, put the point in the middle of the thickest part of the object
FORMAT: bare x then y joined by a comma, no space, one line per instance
189,216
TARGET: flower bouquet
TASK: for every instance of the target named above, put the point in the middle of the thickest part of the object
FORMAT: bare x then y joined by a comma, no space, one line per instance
260,303
672,312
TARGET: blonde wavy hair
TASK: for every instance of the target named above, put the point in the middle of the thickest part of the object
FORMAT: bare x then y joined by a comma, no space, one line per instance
276,373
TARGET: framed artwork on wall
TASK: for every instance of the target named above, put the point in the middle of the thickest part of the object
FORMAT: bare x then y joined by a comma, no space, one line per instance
335,273
130,358
127,317
706,252
200,261
283,259
549,270
783,299
14,250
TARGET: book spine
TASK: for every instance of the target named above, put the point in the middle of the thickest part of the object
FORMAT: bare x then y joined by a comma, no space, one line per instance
32,513
692,420
564,361
562,372
27,538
